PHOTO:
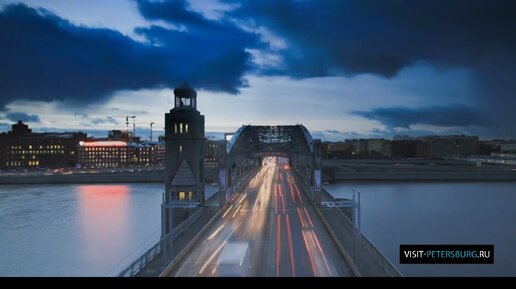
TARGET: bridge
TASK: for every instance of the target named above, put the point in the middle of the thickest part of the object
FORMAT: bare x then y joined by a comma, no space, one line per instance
270,201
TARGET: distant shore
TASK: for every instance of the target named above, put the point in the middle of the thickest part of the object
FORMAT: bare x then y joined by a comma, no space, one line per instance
414,170
333,171
103,177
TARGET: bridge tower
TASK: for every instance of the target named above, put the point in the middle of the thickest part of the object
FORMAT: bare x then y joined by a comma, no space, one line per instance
184,151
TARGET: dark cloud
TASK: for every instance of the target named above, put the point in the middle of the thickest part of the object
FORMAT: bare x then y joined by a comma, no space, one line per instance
328,37
445,116
45,57
382,37
16,116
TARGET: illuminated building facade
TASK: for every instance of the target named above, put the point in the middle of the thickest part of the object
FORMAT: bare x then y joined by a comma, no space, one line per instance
108,153
101,154
20,148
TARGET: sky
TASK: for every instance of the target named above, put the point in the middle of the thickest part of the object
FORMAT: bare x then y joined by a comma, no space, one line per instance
344,69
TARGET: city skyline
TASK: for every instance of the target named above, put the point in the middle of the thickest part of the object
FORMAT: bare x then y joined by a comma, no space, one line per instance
368,75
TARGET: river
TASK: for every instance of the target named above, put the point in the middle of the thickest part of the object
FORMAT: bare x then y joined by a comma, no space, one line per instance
97,230
77,230
395,213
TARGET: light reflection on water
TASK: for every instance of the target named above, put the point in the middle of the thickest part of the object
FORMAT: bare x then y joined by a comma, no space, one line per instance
77,230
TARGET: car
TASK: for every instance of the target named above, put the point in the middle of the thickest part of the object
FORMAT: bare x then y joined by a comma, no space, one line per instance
233,261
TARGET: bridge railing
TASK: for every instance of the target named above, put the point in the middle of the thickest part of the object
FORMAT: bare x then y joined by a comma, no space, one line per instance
366,246
155,249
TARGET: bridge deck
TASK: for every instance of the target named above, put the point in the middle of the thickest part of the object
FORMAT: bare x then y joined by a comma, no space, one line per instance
285,235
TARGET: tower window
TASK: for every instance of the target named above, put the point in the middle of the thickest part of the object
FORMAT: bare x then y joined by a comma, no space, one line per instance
181,128
180,149
181,196
186,127
190,195
175,128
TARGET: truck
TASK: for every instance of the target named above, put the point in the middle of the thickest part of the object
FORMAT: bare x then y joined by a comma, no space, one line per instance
234,260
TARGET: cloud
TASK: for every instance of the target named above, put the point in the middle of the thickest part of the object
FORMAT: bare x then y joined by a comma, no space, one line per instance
446,116
45,57
80,114
106,120
16,116
382,37
353,37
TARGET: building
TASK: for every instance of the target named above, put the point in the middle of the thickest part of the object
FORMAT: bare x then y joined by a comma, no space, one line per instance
184,159
211,159
403,148
357,148
118,135
23,149
115,153
374,148
340,150
508,147
449,145
102,154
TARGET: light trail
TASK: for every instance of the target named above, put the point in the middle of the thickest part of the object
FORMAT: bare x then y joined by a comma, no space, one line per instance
309,219
309,253
291,247
282,200
321,251
278,246
300,218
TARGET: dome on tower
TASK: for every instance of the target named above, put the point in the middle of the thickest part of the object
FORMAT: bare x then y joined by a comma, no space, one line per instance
185,91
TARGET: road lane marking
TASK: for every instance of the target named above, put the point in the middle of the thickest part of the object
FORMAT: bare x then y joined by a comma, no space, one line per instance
231,206
236,211
255,204
215,233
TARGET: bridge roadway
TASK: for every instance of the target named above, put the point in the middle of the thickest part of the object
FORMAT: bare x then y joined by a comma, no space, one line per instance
286,237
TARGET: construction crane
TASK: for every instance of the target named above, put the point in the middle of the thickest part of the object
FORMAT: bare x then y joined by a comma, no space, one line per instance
127,124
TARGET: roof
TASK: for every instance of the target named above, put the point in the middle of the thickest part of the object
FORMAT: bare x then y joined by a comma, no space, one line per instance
184,176
184,90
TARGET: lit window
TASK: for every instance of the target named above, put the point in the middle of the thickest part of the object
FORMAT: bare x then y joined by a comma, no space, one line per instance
30,147
180,149
190,195
186,128
181,196
181,128
175,128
